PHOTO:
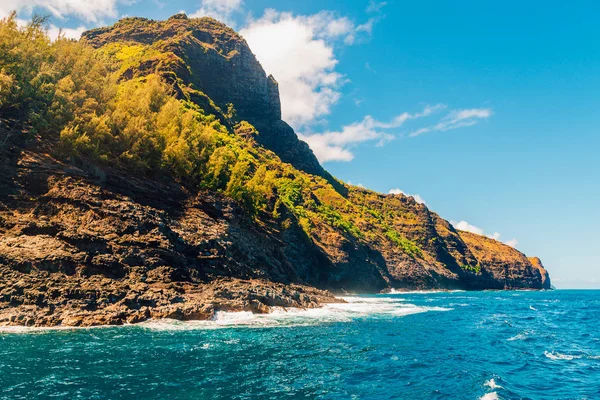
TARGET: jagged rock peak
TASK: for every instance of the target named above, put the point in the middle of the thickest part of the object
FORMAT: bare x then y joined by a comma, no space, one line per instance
217,61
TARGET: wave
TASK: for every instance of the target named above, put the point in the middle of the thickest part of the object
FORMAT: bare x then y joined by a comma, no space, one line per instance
356,299
559,356
492,384
399,291
355,307
554,355
521,336
490,396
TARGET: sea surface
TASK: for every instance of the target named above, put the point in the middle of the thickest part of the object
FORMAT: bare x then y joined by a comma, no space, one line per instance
427,345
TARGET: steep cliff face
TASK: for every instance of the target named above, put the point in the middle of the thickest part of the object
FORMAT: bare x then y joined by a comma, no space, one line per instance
537,263
205,55
77,249
505,266
87,243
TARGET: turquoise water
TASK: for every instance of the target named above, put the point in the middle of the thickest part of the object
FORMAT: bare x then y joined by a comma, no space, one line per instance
459,345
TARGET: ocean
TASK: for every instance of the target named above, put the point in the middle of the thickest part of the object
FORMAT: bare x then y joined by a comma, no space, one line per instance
419,345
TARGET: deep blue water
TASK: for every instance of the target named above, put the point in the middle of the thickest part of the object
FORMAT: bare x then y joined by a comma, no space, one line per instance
459,345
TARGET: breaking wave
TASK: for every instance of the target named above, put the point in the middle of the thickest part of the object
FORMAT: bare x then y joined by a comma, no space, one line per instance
353,308
492,384
490,396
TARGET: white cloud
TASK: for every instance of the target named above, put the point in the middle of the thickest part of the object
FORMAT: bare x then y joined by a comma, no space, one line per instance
465,226
54,31
92,11
456,119
417,198
334,146
360,185
299,52
375,6
221,10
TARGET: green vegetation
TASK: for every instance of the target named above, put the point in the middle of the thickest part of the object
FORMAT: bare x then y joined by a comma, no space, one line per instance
408,246
472,268
121,106
335,219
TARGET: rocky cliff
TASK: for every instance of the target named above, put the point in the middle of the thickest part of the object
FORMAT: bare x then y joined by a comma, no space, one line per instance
205,55
87,243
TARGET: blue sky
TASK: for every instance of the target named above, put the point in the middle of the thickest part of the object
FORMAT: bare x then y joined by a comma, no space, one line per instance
489,112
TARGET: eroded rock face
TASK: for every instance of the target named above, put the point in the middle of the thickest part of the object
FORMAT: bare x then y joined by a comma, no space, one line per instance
537,263
78,251
506,267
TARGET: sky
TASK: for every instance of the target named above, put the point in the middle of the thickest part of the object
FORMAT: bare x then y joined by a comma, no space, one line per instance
487,112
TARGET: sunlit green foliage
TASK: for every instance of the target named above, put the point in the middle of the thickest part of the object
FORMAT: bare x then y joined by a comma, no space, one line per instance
472,268
113,107
408,246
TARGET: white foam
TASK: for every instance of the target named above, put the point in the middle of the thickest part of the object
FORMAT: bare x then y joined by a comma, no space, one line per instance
490,396
521,336
353,308
559,356
356,299
396,291
492,384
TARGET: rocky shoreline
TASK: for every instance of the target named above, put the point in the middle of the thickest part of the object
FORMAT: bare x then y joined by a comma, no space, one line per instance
94,302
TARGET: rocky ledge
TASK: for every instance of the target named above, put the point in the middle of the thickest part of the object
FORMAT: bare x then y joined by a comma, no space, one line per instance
55,299
82,250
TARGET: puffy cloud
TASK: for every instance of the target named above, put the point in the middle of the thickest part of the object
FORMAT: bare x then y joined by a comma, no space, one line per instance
54,31
92,11
417,198
221,10
465,226
495,236
299,52
334,145
456,119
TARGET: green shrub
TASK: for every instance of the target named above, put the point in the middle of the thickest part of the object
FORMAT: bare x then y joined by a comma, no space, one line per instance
408,246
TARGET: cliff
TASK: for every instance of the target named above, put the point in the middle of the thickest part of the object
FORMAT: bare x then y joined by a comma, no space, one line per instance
202,54
133,199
